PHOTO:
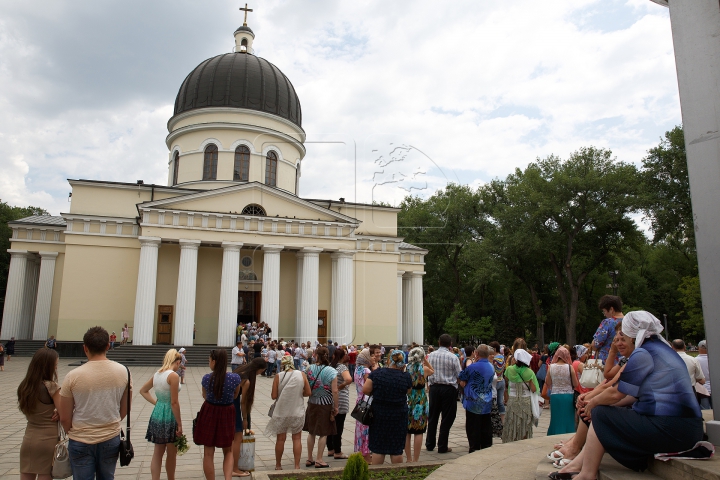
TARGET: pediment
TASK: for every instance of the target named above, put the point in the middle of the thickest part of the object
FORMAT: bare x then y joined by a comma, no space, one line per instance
233,199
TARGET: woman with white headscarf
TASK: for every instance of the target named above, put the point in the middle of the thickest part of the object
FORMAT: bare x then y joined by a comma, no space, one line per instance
521,383
664,414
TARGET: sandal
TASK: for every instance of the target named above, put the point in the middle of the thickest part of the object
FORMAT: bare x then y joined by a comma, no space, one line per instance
241,474
562,476
310,463
321,465
341,457
555,455
561,463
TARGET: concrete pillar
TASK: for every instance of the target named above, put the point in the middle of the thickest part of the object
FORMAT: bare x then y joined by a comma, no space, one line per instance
270,308
44,295
187,288
400,307
695,29
407,309
343,294
310,291
15,294
32,268
227,317
417,307
298,297
143,324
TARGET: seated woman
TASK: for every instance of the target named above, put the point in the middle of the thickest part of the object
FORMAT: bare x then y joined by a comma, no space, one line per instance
665,415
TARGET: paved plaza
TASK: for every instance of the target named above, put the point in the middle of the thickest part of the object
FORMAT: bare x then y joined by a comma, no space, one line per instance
189,465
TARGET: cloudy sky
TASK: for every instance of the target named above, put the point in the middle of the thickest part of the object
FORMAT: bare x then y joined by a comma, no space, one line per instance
397,97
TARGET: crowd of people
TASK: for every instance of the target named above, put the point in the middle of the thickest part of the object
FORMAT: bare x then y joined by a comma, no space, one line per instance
642,391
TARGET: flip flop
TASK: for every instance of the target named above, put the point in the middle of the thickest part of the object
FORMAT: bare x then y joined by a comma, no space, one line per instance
242,474
555,455
561,463
310,463
341,457
562,476
321,465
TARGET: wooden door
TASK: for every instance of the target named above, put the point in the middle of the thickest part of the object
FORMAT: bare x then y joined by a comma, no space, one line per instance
248,307
322,326
164,324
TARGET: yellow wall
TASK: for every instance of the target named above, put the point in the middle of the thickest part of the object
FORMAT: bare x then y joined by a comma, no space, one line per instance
207,299
167,278
109,201
375,221
56,294
288,295
375,299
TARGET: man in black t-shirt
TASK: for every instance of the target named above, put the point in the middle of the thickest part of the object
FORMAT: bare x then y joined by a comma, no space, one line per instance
258,348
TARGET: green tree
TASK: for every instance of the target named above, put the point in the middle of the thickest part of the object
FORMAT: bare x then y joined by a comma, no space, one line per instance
462,327
690,296
8,214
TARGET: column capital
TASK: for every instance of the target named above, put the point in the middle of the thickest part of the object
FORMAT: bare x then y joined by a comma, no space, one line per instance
189,244
273,248
309,252
232,246
415,274
18,253
400,273
343,254
48,254
150,241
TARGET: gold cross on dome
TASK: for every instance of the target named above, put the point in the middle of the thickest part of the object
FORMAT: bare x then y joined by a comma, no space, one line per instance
246,10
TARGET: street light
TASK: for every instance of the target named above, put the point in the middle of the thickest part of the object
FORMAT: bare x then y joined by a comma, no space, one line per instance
614,285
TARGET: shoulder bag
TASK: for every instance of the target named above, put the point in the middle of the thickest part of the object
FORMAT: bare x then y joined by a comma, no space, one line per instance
126,449
61,457
363,411
593,372
272,407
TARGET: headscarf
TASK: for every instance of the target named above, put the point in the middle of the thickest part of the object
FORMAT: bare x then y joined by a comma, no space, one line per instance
563,354
182,349
404,347
286,363
364,358
521,355
641,325
416,356
517,373
580,350
397,359
553,347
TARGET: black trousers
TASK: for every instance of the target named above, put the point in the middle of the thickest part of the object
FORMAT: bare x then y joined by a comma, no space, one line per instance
478,429
443,401
334,441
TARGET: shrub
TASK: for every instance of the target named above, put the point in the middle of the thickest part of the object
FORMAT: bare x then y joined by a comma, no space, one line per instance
356,468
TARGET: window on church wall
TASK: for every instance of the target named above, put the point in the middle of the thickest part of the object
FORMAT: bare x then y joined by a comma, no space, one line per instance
244,42
271,169
210,163
241,172
176,167
254,209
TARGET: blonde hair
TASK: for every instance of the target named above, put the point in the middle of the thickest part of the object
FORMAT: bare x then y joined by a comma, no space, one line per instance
171,357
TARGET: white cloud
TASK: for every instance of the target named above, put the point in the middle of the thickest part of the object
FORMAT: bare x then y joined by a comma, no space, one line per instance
477,89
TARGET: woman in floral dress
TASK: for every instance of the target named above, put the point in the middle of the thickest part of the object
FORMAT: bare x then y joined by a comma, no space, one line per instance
364,364
419,369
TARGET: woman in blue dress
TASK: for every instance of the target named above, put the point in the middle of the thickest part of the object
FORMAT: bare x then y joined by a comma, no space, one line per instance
165,424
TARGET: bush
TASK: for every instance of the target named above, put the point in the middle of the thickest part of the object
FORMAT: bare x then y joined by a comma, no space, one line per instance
356,468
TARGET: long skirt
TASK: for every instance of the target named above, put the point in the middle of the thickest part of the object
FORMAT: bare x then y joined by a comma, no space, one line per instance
631,439
215,425
318,420
562,414
518,420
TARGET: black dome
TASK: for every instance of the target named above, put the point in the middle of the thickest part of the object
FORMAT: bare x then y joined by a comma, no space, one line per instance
239,80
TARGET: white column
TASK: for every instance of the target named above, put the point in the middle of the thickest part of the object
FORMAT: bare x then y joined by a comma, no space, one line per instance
298,297
417,309
400,307
334,314
270,308
187,287
31,282
310,290
44,295
15,294
407,306
227,318
143,323
343,293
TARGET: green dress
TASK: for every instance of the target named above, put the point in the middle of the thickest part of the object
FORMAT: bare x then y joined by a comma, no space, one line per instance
418,406
162,426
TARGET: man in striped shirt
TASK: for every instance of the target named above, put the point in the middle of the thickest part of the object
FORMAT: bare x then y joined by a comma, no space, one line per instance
443,394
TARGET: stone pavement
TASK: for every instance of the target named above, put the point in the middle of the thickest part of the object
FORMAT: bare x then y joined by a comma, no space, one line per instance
190,465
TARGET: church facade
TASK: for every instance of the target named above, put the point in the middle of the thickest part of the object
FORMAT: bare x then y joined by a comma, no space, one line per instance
227,240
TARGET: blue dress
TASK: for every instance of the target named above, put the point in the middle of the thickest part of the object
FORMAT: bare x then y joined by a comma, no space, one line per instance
390,410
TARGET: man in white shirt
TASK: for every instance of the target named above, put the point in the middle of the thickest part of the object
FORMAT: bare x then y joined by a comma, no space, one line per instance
702,359
694,370
299,356
238,355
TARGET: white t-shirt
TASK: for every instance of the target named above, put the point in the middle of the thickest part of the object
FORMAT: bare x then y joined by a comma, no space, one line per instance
271,356
96,388
299,353
238,360
702,359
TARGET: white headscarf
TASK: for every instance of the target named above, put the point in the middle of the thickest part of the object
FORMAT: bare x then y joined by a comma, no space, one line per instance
523,356
641,325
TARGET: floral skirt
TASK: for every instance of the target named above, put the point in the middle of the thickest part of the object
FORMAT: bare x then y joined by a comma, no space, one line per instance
496,421
518,420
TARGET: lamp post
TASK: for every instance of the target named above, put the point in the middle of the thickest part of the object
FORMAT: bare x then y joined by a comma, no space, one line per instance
614,285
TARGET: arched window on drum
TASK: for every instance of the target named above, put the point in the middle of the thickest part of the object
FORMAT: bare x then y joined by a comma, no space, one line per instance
271,169
241,170
176,167
210,163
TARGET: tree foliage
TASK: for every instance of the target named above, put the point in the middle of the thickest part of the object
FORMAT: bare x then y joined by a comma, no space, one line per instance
461,326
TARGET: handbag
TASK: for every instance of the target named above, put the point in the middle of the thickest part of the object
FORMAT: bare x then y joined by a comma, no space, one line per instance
61,456
593,373
363,411
126,449
246,461
272,407
542,372
701,391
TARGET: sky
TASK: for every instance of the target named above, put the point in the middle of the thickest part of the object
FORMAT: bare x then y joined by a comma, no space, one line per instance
397,97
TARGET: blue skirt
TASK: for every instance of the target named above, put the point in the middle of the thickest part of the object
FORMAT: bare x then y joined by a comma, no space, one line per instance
562,414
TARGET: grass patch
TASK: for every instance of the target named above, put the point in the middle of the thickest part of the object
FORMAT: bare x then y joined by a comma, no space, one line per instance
405,473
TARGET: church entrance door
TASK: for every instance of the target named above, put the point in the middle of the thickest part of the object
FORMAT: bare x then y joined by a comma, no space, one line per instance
164,325
248,307
322,326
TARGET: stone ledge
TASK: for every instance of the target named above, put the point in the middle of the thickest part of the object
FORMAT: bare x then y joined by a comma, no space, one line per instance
304,473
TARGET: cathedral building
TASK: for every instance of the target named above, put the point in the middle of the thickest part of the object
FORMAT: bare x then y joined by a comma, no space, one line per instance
227,240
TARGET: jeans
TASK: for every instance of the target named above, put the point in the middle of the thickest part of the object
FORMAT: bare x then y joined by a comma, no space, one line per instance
269,369
94,461
297,363
443,400
278,364
706,403
500,387
351,367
